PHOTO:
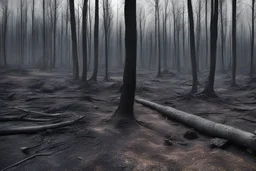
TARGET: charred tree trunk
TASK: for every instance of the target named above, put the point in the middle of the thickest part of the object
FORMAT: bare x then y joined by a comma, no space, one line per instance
44,37
74,39
252,40
33,33
222,36
54,34
206,32
209,88
96,41
125,108
159,74
192,47
234,42
84,37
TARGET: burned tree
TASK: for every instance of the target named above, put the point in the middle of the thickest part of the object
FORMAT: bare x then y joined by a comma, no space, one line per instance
252,39
209,87
192,46
107,17
125,108
234,2
74,39
96,42
84,40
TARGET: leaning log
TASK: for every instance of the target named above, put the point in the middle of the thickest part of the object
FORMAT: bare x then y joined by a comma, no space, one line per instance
36,129
234,135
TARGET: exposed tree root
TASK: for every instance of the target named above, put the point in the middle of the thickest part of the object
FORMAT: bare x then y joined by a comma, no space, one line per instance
234,135
26,159
36,129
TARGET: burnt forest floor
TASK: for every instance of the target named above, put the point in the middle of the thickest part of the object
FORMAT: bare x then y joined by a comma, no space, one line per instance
94,144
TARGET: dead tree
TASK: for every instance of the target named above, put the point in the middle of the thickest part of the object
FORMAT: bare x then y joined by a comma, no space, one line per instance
96,42
223,35
234,135
84,37
74,39
209,87
234,16
192,46
142,22
252,39
44,37
165,18
33,32
125,108
90,34
5,15
54,32
198,32
107,17
21,32
206,33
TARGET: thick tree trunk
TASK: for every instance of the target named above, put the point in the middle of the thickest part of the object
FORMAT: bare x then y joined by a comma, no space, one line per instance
192,47
234,135
234,42
209,89
84,37
96,42
74,39
129,78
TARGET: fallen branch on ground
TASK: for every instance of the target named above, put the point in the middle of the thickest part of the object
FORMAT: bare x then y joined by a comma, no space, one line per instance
211,128
23,118
26,159
34,112
36,129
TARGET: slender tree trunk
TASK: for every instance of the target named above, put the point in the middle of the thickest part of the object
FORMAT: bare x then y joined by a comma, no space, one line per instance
206,33
84,35
129,78
222,36
74,39
159,74
5,16
234,42
33,33
192,46
96,41
209,89
54,34
44,37
252,40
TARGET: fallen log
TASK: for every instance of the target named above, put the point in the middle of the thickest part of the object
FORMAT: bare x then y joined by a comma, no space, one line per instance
234,135
36,129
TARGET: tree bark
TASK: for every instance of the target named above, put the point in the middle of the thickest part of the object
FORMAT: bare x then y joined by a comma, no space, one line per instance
209,88
252,40
192,47
74,39
234,135
129,78
234,42
84,35
96,42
